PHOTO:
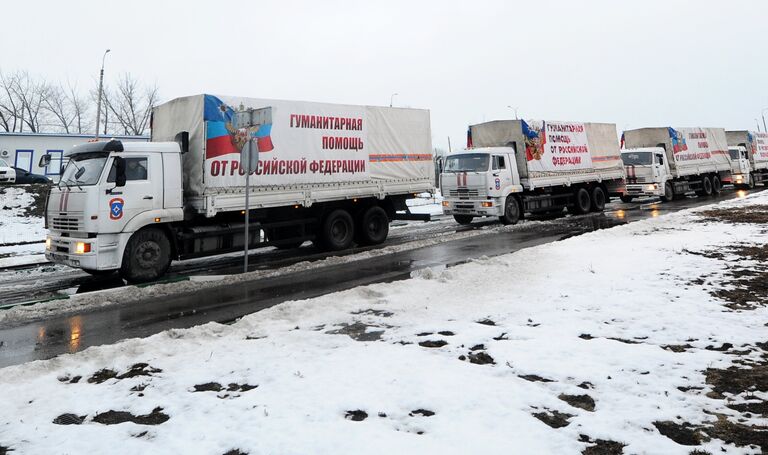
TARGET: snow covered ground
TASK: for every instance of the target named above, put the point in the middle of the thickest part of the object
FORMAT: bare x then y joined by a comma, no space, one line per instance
21,226
643,338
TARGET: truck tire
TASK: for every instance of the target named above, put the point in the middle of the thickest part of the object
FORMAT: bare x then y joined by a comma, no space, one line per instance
598,199
338,230
669,192
147,256
373,226
463,219
717,186
626,199
512,211
751,184
706,187
582,203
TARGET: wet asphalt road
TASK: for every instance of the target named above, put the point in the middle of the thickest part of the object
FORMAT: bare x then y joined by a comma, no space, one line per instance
66,334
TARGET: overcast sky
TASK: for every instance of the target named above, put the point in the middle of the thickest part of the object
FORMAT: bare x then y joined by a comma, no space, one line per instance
639,63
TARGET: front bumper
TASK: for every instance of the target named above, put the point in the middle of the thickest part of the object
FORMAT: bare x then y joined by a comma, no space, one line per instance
645,189
103,254
473,207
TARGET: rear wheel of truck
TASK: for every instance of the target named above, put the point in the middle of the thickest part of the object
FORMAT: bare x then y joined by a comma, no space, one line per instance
373,226
582,203
626,199
669,192
511,211
463,219
338,230
147,256
706,187
717,186
751,184
598,199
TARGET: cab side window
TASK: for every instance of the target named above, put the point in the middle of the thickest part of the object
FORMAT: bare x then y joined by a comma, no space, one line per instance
135,169
498,163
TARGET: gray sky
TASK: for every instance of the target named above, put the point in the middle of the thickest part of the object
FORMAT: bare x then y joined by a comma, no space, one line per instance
640,63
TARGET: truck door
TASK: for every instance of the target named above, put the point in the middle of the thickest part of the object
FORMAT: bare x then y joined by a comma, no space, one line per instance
744,162
143,191
500,175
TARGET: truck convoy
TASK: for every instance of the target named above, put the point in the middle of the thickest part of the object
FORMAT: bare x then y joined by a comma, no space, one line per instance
333,174
513,167
669,162
749,157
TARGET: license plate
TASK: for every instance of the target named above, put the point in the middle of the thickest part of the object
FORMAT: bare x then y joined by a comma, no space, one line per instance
58,257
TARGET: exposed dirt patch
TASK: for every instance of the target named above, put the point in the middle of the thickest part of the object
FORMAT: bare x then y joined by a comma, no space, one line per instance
69,419
156,417
739,434
486,321
358,331
682,433
584,401
421,412
677,347
736,380
480,358
216,387
372,312
501,337
757,214
235,452
554,419
102,375
534,378
601,446
433,343
5,450
356,416
70,379
446,333
744,287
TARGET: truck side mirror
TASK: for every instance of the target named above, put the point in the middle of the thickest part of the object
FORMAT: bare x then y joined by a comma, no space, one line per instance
119,171
661,159
45,160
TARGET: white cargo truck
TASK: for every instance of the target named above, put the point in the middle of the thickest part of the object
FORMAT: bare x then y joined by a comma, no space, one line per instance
670,162
749,156
513,167
333,174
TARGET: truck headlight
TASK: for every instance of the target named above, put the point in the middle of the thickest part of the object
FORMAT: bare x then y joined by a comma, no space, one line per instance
651,187
47,243
446,204
486,204
82,248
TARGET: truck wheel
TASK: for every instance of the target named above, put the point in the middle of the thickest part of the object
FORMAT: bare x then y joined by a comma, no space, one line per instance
373,226
706,187
669,192
463,219
751,184
581,202
338,230
717,186
511,211
598,199
147,256
626,199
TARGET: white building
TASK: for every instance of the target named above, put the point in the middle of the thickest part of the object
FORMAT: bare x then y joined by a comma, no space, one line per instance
23,150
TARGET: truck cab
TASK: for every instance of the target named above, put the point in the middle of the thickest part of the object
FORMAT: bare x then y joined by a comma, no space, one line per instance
477,182
647,173
109,192
741,169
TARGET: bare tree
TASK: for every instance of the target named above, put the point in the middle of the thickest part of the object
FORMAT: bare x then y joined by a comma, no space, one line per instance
10,105
67,107
30,94
131,104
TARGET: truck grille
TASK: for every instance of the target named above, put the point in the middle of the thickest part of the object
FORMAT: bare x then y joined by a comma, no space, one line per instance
463,192
71,223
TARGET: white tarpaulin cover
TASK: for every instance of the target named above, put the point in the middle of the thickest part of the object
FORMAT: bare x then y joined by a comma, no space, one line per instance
692,149
300,143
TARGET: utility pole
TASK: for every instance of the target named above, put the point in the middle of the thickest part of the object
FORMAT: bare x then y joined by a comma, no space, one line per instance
101,86
514,109
391,98
765,129
757,122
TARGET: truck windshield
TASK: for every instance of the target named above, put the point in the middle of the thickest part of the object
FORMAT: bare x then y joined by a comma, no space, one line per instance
84,169
469,162
734,153
637,158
